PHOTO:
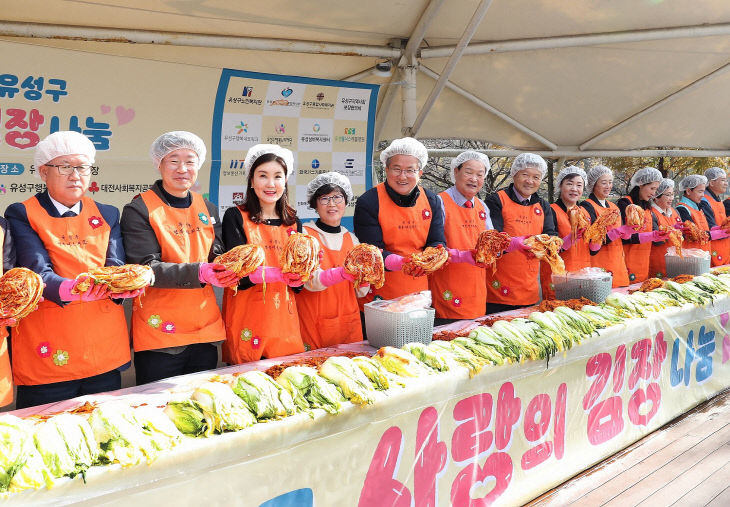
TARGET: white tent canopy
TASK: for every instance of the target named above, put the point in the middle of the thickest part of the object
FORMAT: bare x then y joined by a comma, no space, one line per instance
565,79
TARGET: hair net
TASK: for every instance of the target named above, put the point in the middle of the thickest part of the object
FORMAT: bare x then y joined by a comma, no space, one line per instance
645,175
405,146
525,160
715,172
571,170
176,140
469,155
691,181
594,174
665,186
63,143
262,149
327,178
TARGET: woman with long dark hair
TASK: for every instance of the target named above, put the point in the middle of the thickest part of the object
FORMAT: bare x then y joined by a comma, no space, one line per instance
261,317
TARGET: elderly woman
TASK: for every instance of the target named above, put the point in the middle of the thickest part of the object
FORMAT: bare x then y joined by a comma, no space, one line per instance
690,206
261,317
715,214
458,290
74,344
662,214
328,310
400,216
521,213
608,255
570,181
637,248
176,324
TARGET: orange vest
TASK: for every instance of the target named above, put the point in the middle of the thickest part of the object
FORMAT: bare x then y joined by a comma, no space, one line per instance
330,316
657,263
637,254
80,339
262,321
515,281
577,257
698,217
6,375
164,318
720,247
405,230
611,256
459,291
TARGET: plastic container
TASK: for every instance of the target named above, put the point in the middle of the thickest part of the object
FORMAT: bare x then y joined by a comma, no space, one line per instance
572,286
686,265
398,328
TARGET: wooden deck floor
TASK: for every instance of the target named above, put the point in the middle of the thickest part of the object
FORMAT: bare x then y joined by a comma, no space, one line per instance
686,462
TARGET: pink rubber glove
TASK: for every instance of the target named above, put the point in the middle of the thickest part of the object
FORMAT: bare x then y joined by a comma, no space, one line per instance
8,322
128,295
622,231
461,256
645,237
332,276
394,262
517,244
216,274
95,293
292,279
265,274
594,247
718,233
569,241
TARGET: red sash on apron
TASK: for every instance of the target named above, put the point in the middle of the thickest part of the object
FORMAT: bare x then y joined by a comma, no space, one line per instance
637,255
257,324
577,257
657,262
698,217
611,256
459,291
720,247
164,318
330,316
80,339
515,281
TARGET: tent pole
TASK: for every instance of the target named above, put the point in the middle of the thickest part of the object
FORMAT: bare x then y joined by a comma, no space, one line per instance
469,31
419,32
408,96
496,112
575,154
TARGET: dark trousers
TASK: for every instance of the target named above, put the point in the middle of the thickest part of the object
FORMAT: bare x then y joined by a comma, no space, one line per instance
30,396
498,307
152,365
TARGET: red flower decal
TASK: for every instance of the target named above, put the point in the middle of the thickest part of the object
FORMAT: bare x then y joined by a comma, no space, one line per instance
505,290
44,349
537,210
426,214
95,222
255,342
168,327
482,215
291,231
456,301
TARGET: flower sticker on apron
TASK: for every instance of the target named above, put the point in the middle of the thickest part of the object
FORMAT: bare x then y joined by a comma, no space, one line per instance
203,218
60,357
426,214
43,349
95,222
482,214
154,321
168,327
246,335
447,295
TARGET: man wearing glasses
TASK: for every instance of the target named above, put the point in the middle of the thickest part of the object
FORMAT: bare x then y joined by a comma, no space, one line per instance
74,344
400,217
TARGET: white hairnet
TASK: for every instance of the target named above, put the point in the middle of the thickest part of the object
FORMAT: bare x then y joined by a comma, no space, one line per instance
691,181
715,172
469,155
525,160
327,178
571,170
644,176
262,149
176,140
594,174
62,143
665,186
405,146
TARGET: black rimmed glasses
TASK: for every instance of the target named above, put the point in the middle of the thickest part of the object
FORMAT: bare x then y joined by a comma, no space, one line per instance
334,199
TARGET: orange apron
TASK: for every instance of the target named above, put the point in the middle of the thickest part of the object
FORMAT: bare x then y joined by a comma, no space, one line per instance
330,316
720,247
262,324
164,318
6,375
515,281
405,230
577,257
657,262
698,217
80,339
611,256
459,291
637,255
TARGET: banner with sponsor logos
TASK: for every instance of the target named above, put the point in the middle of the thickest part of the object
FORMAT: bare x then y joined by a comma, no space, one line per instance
503,437
122,104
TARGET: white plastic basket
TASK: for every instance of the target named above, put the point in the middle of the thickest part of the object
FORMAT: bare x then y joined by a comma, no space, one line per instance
595,289
686,265
398,328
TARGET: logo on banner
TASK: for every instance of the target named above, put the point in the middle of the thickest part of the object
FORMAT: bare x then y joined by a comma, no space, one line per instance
350,136
286,92
247,91
320,96
315,164
349,131
316,127
237,196
242,128
280,129
349,163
